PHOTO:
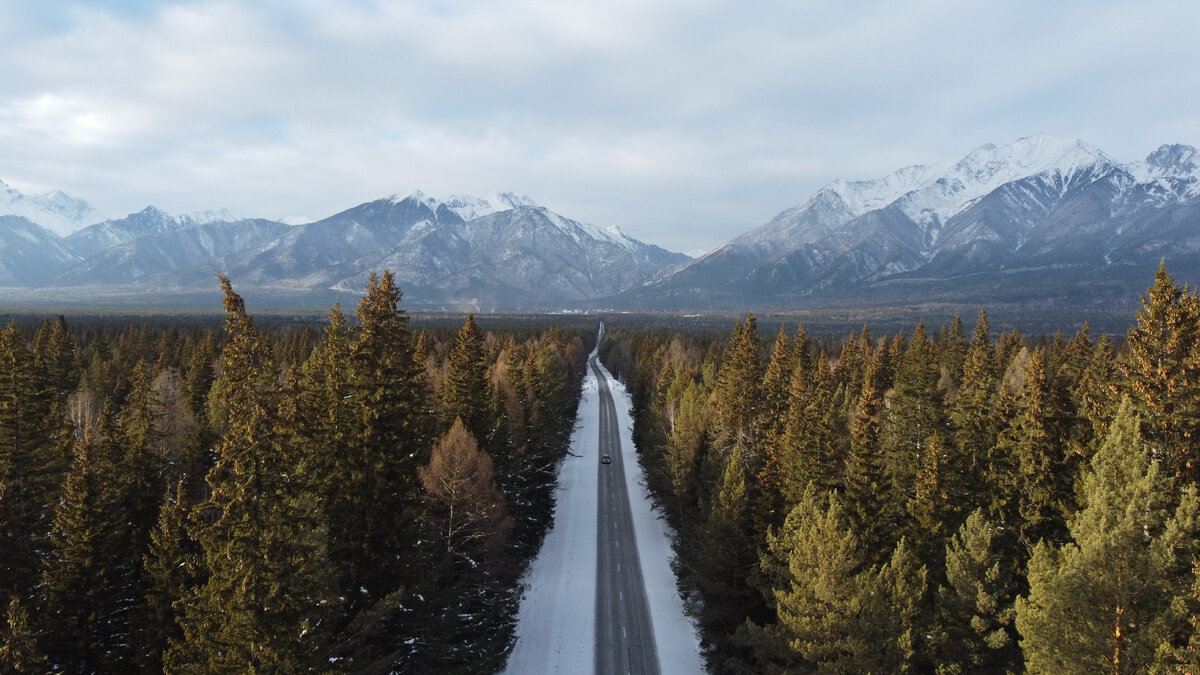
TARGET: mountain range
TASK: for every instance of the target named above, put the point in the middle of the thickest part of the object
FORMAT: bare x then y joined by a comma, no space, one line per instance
1041,222
499,251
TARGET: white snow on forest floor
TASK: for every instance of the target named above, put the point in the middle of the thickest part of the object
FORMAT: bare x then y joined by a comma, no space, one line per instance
556,621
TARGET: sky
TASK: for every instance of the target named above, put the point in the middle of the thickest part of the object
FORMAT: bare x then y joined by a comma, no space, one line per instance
684,122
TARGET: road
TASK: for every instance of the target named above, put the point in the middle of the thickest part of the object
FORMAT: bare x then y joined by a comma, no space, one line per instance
624,632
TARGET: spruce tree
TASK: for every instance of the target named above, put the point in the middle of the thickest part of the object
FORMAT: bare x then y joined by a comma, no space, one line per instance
807,451
729,553
92,581
1163,370
467,395
863,486
737,396
34,454
1040,489
268,593
171,568
917,413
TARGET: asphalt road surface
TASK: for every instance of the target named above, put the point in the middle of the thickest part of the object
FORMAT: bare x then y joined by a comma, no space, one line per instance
624,633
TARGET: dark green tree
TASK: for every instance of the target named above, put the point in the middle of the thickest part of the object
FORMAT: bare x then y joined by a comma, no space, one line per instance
92,582
269,591
916,414
467,395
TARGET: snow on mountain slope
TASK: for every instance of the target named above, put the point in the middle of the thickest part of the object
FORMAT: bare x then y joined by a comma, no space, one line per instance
55,211
988,167
1037,204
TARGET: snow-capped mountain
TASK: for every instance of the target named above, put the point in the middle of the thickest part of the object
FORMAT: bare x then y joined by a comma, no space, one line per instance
1040,215
499,250
55,211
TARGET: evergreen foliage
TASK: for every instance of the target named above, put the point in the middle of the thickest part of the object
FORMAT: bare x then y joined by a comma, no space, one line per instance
904,493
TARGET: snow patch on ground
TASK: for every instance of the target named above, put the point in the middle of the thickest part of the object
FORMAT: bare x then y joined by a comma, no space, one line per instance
556,626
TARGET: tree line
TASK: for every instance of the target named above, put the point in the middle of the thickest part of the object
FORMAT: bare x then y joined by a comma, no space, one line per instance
931,502
188,501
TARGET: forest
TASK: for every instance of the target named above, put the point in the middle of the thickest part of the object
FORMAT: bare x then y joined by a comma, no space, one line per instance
262,497
931,502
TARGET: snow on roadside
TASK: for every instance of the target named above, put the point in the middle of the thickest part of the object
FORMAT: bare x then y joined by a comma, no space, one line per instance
557,618
556,623
674,633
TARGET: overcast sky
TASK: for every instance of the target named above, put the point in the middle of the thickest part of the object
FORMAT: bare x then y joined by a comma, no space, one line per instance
685,122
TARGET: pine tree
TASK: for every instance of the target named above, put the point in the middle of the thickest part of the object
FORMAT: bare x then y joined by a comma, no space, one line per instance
269,590
1108,600
975,608
896,613
729,551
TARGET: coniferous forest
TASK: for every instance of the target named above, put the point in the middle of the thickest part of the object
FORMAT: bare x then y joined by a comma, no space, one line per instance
947,500
361,497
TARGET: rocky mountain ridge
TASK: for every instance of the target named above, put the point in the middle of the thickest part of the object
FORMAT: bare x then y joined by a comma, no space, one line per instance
1041,218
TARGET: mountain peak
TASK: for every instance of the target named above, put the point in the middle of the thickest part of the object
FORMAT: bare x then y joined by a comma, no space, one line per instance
1174,160
470,207
55,211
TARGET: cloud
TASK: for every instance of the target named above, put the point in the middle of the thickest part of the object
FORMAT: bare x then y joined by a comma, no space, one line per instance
687,123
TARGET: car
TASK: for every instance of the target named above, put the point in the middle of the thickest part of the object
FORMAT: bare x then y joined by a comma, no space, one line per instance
606,459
